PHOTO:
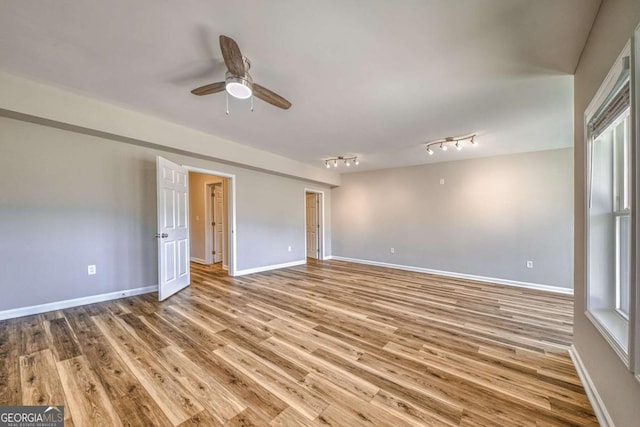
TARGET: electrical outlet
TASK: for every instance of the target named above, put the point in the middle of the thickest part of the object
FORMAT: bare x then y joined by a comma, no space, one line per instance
289,248
441,181
529,264
393,250
91,269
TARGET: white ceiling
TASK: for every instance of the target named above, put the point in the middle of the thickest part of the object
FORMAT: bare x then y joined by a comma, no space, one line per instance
368,78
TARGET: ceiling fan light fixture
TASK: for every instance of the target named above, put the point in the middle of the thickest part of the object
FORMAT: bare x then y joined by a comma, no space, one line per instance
238,87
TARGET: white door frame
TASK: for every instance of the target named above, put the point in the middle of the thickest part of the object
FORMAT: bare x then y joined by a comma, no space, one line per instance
231,206
208,231
321,252
208,213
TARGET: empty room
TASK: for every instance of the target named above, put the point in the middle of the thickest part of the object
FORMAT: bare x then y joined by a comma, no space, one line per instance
337,213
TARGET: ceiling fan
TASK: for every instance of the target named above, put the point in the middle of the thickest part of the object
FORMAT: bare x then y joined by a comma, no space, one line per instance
238,82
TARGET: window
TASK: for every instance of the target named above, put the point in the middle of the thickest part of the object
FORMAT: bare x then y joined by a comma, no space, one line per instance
609,206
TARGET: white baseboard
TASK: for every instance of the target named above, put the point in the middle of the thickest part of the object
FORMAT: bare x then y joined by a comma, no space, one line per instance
327,258
527,285
596,402
269,267
60,305
200,261
225,267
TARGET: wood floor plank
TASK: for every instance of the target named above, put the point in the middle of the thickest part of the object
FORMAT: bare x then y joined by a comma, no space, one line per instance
202,419
219,401
41,385
264,352
247,418
333,373
434,401
328,343
130,400
63,339
33,336
174,400
353,405
304,401
10,378
86,398
181,331
290,417
254,395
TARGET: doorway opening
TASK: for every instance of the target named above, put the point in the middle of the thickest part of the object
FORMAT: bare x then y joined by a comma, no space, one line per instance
211,218
314,223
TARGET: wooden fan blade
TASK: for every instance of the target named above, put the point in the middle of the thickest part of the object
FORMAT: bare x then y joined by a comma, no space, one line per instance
271,97
209,89
232,56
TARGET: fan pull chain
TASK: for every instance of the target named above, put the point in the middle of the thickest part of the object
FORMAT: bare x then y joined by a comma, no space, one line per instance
252,102
227,97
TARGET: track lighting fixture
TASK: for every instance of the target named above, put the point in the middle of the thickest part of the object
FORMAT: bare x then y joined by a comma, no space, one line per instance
457,141
348,160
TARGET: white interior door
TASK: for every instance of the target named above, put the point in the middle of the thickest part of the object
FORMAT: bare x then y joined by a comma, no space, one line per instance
173,228
218,222
312,225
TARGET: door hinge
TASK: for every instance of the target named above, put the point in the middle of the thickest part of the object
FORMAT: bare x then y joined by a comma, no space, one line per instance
213,252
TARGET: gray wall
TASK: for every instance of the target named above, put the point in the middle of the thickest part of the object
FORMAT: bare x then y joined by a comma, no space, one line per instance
490,217
620,392
68,200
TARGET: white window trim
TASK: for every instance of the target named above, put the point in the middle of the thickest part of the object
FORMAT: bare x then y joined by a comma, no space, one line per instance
614,328
634,191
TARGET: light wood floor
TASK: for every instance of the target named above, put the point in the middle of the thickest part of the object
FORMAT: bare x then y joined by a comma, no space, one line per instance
330,343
